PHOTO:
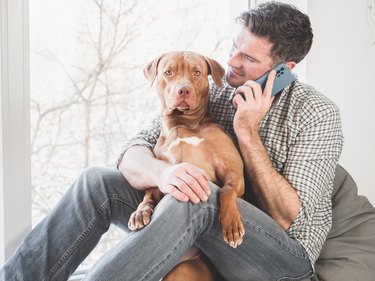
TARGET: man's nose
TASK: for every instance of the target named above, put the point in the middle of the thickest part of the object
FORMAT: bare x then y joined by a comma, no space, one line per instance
234,59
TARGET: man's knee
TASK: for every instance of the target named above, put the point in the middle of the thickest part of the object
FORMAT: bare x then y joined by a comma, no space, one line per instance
171,203
170,209
97,172
97,182
214,196
100,176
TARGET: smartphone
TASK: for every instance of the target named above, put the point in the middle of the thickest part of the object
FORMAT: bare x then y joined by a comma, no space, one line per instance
283,78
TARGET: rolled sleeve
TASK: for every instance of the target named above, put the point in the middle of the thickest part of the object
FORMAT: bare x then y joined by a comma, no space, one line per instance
146,137
310,169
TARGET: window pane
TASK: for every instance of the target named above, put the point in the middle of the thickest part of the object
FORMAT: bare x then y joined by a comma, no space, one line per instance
88,93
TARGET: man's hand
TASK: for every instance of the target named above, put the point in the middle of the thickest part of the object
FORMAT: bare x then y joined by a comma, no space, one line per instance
185,182
252,109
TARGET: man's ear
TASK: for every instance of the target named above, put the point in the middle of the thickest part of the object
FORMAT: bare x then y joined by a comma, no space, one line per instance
290,64
151,69
215,70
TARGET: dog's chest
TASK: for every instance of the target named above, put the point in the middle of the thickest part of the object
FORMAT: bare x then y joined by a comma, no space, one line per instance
179,146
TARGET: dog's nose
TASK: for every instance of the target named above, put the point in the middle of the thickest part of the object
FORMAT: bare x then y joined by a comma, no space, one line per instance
184,90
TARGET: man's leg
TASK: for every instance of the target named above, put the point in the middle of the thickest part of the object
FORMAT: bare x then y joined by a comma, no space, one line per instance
61,241
267,253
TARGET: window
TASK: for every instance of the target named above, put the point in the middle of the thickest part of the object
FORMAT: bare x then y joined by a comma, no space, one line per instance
88,94
69,32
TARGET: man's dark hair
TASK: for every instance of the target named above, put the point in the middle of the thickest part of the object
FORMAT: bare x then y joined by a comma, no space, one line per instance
284,26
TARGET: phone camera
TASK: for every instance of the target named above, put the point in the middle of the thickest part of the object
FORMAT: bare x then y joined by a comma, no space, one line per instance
280,72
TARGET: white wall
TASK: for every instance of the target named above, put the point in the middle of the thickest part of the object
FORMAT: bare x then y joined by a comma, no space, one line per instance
341,65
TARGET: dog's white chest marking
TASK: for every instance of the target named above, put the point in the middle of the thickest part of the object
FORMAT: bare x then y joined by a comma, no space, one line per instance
195,141
190,140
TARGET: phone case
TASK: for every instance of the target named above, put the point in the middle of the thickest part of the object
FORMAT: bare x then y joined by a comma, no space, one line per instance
283,78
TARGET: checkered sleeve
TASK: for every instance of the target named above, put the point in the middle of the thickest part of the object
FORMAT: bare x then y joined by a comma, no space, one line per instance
310,169
146,137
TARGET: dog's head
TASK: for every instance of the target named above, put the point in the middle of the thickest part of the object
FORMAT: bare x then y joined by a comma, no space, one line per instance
182,80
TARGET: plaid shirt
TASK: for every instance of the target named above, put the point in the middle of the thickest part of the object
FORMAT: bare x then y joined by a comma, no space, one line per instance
302,135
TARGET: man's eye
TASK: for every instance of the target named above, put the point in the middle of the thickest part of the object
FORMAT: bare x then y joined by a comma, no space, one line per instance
197,73
249,58
168,72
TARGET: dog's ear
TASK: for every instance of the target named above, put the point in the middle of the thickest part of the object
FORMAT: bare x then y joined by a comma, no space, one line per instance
151,69
215,70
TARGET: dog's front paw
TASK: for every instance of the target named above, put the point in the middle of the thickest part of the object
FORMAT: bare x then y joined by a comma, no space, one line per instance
140,218
232,226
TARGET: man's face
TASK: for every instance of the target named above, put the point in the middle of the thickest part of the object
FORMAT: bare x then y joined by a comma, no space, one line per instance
249,58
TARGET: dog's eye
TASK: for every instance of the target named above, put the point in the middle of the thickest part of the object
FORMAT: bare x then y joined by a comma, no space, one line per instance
197,73
168,72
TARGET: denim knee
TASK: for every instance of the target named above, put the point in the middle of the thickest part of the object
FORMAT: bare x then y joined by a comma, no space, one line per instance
93,179
201,215
93,174
174,206
90,189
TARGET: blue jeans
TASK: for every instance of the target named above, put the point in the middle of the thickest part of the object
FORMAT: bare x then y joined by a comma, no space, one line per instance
101,196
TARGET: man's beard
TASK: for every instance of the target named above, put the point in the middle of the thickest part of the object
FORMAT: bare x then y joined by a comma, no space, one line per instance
233,80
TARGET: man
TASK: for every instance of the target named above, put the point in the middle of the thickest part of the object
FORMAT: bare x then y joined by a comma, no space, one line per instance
290,145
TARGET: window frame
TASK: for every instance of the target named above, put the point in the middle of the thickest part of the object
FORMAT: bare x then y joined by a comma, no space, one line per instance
15,172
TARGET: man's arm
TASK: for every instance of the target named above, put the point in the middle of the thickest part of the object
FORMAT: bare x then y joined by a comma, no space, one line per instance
308,173
183,181
274,194
140,167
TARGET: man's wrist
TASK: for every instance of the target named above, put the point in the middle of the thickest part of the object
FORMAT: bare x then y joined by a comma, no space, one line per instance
248,137
157,170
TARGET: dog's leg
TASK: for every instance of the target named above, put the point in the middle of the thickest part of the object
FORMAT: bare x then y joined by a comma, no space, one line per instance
230,218
142,216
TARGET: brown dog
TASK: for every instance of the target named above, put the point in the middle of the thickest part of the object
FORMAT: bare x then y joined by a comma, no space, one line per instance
189,134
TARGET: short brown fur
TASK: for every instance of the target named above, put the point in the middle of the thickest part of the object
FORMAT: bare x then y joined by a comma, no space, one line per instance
183,88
